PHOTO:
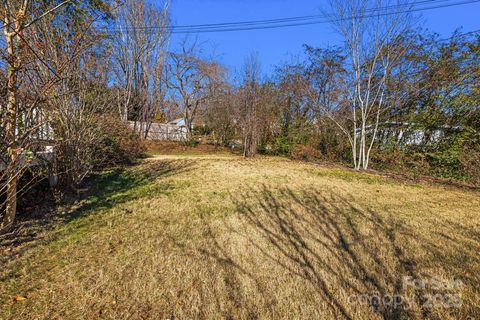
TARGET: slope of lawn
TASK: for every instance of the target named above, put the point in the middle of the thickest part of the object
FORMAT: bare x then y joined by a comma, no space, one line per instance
215,237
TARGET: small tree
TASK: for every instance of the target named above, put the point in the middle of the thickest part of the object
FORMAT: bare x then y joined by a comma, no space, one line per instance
370,30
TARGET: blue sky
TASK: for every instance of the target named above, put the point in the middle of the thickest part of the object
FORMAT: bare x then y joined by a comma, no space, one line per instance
277,45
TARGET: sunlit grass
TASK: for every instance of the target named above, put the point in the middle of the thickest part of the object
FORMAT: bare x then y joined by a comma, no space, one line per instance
217,236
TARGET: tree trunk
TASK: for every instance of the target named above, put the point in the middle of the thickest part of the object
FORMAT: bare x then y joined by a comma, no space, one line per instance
188,122
188,125
10,125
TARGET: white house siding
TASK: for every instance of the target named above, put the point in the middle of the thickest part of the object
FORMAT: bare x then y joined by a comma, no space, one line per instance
164,131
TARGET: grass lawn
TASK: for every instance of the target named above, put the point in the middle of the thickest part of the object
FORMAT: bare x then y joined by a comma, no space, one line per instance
219,237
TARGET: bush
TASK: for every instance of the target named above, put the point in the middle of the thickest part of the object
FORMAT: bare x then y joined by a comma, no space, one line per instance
192,143
304,153
118,143
470,157
455,157
397,160
470,161
282,146
93,142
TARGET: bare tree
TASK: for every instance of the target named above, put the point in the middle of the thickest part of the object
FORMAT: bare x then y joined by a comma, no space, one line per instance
219,115
17,17
248,108
191,81
29,85
80,96
140,42
370,30
294,105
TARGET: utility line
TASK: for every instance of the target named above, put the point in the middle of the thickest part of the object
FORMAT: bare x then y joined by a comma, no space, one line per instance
296,21
280,20
298,18
371,15
459,35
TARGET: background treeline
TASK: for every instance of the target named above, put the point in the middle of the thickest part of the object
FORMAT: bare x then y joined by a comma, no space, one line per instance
89,77
431,126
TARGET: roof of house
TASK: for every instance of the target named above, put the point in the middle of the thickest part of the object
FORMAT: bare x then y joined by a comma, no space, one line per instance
178,122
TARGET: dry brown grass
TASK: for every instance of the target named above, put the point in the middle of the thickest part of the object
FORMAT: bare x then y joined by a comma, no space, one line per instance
221,237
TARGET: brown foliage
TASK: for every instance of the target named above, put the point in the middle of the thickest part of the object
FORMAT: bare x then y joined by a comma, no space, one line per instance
470,160
102,141
119,143
304,153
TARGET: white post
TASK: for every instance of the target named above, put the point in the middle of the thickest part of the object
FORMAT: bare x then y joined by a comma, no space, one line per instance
52,170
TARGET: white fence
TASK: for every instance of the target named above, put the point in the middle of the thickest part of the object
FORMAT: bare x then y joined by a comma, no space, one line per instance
162,131
30,159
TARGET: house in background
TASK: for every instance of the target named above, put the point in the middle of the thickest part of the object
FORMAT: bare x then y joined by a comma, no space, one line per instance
408,134
178,122
34,127
174,130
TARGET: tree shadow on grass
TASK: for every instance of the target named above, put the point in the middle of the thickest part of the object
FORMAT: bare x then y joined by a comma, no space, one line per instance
331,244
353,258
104,191
120,186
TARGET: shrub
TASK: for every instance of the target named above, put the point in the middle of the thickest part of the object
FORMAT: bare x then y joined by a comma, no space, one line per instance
190,143
93,142
455,157
118,143
470,157
397,160
304,153
282,146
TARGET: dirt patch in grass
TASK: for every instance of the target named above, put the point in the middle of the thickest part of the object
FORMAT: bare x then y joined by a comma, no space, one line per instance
221,237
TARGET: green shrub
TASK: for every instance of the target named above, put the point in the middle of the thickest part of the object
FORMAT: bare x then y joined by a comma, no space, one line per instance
455,157
190,143
282,146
